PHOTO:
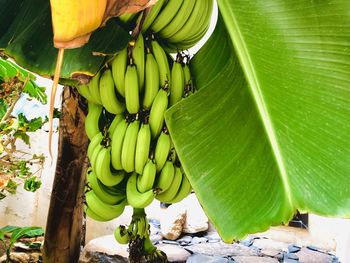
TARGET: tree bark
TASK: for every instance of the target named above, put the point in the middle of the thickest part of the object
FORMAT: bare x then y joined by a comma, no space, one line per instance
63,233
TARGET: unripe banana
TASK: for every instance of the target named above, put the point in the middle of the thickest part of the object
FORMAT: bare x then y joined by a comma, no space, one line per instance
146,180
156,116
94,88
163,64
166,15
193,24
101,190
129,146
117,119
84,91
141,227
95,152
187,74
162,150
93,215
119,65
142,147
103,170
166,176
177,84
168,195
117,144
152,15
108,96
179,20
135,198
97,139
91,120
152,81
105,211
122,235
185,190
138,55
127,17
132,99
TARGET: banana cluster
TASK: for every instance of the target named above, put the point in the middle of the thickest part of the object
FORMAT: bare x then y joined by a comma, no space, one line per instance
132,157
180,23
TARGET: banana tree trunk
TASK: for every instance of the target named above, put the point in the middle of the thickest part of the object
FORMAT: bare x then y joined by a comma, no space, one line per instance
63,233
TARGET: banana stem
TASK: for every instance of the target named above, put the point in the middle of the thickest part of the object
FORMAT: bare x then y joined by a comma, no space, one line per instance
148,246
138,212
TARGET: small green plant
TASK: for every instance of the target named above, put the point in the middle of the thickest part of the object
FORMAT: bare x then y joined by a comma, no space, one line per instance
15,165
17,233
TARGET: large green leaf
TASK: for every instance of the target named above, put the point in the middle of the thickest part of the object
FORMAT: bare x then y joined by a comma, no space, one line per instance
268,132
26,35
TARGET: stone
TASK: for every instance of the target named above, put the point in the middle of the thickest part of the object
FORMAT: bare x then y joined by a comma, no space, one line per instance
185,239
247,242
156,238
16,257
293,248
311,256
292,256
170,242
251,259
198,240
269,243
198,258
172,221
196,219
270,252
154,230
174,253
212,236
213,241
221,249
104,249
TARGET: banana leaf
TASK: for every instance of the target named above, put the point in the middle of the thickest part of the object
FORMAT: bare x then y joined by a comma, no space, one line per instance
268,131
26,36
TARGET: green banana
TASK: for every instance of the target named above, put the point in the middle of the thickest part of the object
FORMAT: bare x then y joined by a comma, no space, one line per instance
156,116
119,65
192,25
93,215
94,154
103,169
179,20
97,139
101,190
152,81
142,147
146,180
177,84
138,55
162,150
135,198
163,64
187,74
91,120
108,97
122,235
105,211
166,15
152,15
132,99
127,17
141,227
117,119
117,144
84,91
129,147
166,176
171,192
94,88
185,190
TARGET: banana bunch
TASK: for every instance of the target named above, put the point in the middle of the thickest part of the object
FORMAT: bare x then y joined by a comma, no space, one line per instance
180,23
132,157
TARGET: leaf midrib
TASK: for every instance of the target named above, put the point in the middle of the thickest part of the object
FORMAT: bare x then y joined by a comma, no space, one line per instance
251,77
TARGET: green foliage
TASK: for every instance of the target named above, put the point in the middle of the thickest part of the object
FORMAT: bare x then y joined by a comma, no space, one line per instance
16,234
268,131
